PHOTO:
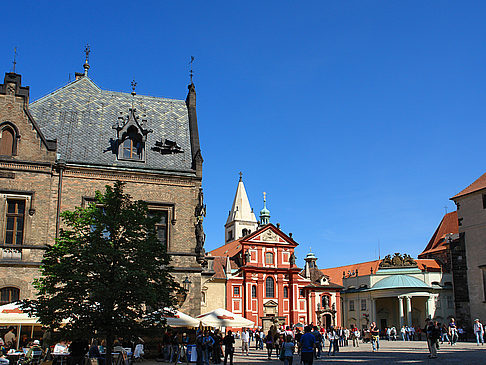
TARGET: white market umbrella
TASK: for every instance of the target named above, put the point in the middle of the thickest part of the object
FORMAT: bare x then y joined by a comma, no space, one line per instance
176,318
222,318
12,314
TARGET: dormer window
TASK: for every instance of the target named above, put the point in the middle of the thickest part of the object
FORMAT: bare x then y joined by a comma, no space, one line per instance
131,137
132,145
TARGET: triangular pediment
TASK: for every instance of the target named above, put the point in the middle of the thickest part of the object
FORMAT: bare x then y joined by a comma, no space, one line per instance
271,234
271,303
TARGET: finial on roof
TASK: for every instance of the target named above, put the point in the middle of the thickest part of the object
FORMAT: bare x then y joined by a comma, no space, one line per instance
14,59
134,85
191,74
87,50
241,176
264,213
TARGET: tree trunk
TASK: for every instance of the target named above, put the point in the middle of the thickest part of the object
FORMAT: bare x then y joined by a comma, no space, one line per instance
109,349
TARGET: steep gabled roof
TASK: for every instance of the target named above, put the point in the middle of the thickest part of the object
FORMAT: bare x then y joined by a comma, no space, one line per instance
438,242
477,185
81,116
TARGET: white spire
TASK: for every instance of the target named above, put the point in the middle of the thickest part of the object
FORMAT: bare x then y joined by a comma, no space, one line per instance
241,216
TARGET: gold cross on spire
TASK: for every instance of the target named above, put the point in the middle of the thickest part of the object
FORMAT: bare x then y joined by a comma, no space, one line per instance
264,196
241,176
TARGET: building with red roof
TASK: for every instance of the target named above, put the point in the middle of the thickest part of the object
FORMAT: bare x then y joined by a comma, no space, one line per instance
256,274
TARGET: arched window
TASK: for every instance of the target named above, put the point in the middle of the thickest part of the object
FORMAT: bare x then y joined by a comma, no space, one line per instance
7,141
286,291
269,258
245,232
253,291
132,145
9,295
270,287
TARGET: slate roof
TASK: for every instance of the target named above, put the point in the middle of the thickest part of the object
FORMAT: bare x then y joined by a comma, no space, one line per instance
448,225
479,184
80,116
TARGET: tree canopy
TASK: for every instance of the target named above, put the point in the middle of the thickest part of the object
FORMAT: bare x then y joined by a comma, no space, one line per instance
107,274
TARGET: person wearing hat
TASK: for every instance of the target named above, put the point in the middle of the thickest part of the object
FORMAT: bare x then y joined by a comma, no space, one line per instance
35,352
479,331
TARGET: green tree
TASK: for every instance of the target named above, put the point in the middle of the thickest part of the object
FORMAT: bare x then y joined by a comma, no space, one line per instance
107,274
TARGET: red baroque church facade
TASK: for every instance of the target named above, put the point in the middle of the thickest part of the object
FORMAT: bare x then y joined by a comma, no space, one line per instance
263,282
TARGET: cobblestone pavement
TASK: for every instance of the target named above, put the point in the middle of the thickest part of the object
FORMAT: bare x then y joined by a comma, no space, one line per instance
393,352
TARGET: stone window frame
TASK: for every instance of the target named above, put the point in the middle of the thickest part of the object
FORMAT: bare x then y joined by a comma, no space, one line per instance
269,254
10,288
16,135
170,208
351,305
6,250
363,304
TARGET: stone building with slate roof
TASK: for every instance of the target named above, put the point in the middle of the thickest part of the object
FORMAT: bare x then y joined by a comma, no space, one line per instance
56,151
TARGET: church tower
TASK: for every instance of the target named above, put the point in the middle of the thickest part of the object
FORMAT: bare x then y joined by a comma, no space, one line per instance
241,219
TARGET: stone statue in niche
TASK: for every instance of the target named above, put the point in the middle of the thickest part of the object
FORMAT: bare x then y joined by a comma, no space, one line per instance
200,213
247,257
325,301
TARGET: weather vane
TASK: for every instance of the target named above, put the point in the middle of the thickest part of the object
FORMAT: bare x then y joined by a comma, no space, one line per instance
191,74
134,85
87,50
14,59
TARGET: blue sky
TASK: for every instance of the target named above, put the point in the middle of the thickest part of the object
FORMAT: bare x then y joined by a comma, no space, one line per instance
360,119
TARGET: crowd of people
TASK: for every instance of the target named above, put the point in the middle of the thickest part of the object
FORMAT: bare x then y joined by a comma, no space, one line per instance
33,351
216,347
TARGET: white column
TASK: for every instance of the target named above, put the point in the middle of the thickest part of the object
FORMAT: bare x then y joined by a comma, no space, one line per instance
409,311
400,311
373,310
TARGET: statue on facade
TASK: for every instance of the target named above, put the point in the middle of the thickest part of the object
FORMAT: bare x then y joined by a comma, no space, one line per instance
200,213
398,261
292,259
325,302
247,257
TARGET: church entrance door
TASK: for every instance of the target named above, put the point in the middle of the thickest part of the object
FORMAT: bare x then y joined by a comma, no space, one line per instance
326,321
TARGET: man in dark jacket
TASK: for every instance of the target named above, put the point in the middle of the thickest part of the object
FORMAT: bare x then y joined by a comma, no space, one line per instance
433,335
229,347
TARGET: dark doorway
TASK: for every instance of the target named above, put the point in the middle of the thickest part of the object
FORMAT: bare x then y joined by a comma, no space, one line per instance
383,324
327,320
